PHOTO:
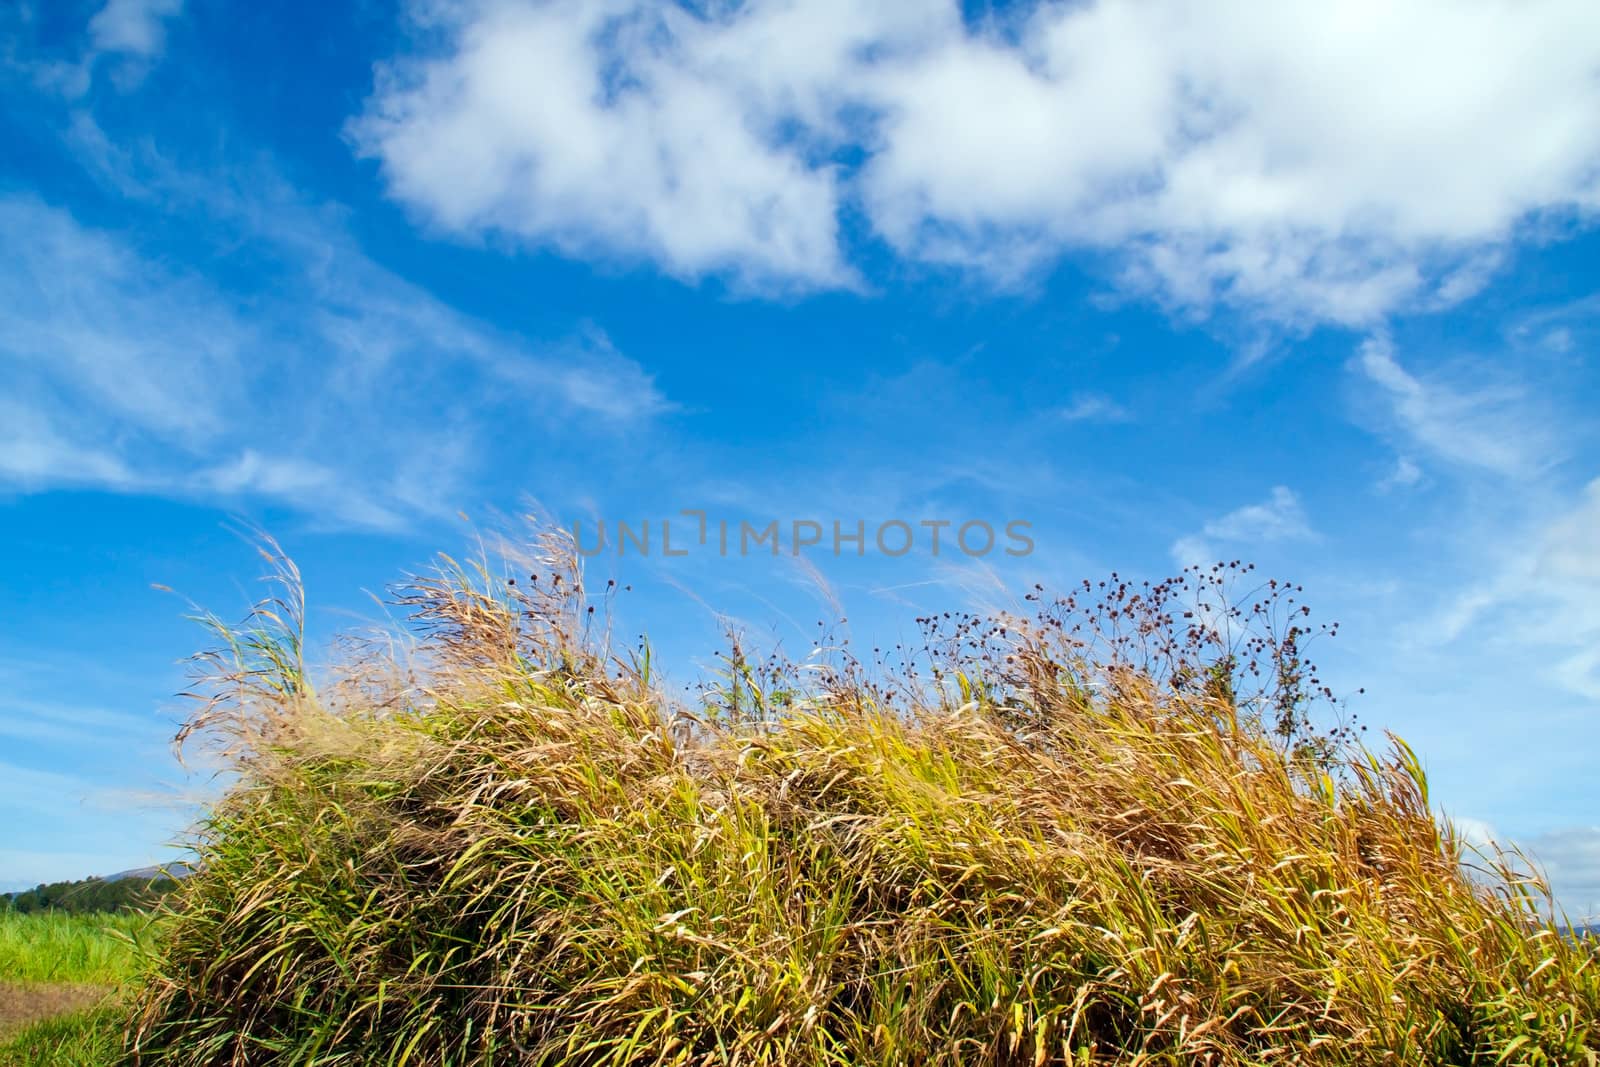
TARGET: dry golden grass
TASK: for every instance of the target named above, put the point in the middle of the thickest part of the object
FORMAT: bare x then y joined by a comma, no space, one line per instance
512,849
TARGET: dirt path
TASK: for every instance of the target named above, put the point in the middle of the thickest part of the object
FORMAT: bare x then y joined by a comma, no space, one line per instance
24,1004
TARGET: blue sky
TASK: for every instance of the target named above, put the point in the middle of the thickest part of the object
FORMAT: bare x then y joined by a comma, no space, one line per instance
1315,289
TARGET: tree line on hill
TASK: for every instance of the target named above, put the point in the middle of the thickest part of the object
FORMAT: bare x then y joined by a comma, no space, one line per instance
89,895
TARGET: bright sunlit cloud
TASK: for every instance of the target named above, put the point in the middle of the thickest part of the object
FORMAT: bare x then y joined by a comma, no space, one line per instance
1303,164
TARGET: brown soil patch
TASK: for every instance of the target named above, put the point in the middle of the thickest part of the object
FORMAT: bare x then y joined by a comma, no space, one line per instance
24,1004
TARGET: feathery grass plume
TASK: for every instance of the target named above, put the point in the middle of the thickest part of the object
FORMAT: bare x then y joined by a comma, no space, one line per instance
1011,848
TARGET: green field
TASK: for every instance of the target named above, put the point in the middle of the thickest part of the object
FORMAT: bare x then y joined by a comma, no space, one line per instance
52,947
62,978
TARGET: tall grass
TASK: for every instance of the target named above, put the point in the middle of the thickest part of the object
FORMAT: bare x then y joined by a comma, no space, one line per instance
52,946
510,848
88,1038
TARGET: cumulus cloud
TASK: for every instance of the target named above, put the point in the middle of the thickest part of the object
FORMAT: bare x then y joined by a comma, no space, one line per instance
1278,518
1311,164
132,27
589,127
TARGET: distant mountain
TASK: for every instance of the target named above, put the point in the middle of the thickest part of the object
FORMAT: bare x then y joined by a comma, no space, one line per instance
176,871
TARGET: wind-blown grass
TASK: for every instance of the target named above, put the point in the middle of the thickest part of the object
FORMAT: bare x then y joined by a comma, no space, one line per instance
531,856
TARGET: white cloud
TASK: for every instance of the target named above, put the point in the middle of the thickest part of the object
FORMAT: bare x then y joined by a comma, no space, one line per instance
1562,329
79,308
1324,163
1570,859
338,390
1093,407
1567,860
33,453
312,485
1558,340
132,27
41,721
1474,833
515,134
1471,416
1278,518
1546,594
28,789
124,37
1404,475
1519,520
1468,280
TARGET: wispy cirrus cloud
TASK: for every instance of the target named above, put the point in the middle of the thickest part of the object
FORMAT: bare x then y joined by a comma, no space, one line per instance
1306,166
1473,416
1246,529
1403,475
124,37
319,385
40,721
1541,589
1516,509
1094,407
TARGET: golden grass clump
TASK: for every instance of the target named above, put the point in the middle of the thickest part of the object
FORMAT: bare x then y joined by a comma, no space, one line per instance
509,847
